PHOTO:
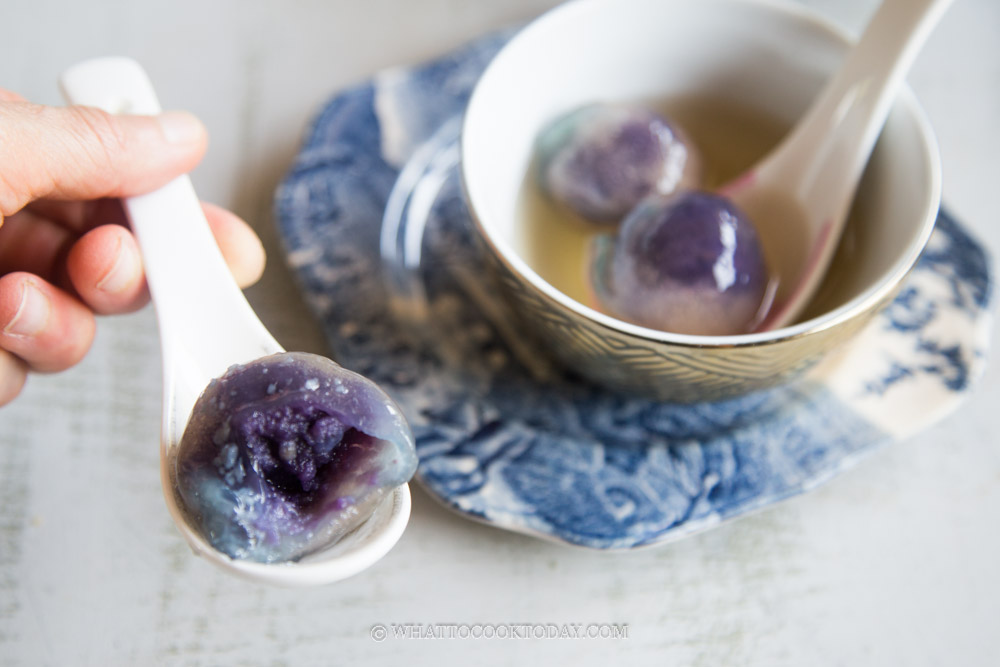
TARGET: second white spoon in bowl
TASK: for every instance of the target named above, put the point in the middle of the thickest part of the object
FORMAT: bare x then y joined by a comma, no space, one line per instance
800,194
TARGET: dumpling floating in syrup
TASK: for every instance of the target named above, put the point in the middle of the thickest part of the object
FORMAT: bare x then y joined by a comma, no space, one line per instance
690,263
285,455
602,159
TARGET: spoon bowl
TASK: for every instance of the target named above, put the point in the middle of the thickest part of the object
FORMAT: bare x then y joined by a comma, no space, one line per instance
207,326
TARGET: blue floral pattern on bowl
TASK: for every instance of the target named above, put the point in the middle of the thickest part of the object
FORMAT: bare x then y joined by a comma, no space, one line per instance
380,239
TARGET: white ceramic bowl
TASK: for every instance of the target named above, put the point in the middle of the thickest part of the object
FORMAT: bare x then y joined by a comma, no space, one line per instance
771,57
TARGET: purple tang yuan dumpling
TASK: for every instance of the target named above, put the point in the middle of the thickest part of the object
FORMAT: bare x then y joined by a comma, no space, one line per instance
286,454
690,263
602,159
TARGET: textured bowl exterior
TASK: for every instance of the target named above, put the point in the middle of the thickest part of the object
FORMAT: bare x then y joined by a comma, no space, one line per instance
668,371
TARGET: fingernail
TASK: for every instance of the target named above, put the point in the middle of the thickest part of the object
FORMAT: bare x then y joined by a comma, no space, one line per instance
32,313
180,127
122,273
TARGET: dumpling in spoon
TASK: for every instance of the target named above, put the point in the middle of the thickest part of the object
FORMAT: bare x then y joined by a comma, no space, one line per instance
602,159
689,263
286,454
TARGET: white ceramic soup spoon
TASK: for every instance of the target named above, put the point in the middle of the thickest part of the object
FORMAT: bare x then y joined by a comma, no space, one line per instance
800,194
206,326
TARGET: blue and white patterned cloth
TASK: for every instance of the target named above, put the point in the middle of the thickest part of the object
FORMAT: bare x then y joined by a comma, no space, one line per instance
504,437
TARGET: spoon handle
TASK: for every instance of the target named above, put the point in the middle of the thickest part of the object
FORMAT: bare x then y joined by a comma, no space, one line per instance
811,177
205,322
837,134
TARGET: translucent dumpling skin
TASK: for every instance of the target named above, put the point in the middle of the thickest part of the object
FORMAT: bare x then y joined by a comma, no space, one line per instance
690,263
601,160
286,454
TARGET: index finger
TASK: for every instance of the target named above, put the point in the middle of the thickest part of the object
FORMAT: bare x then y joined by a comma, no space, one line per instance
82,153
10,96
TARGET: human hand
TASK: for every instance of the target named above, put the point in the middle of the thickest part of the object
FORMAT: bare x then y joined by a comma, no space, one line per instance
66,253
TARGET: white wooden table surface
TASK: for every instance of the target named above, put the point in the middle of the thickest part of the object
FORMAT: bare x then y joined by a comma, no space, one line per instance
895,562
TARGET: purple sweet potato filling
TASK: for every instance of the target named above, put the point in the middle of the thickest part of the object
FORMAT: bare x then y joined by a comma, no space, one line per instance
285,455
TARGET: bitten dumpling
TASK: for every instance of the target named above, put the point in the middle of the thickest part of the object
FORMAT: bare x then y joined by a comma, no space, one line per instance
285,455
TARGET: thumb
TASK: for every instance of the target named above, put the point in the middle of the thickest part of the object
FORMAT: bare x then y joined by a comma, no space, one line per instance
81,153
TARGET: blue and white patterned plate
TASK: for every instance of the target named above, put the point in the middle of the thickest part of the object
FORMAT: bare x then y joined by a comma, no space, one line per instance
378,234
